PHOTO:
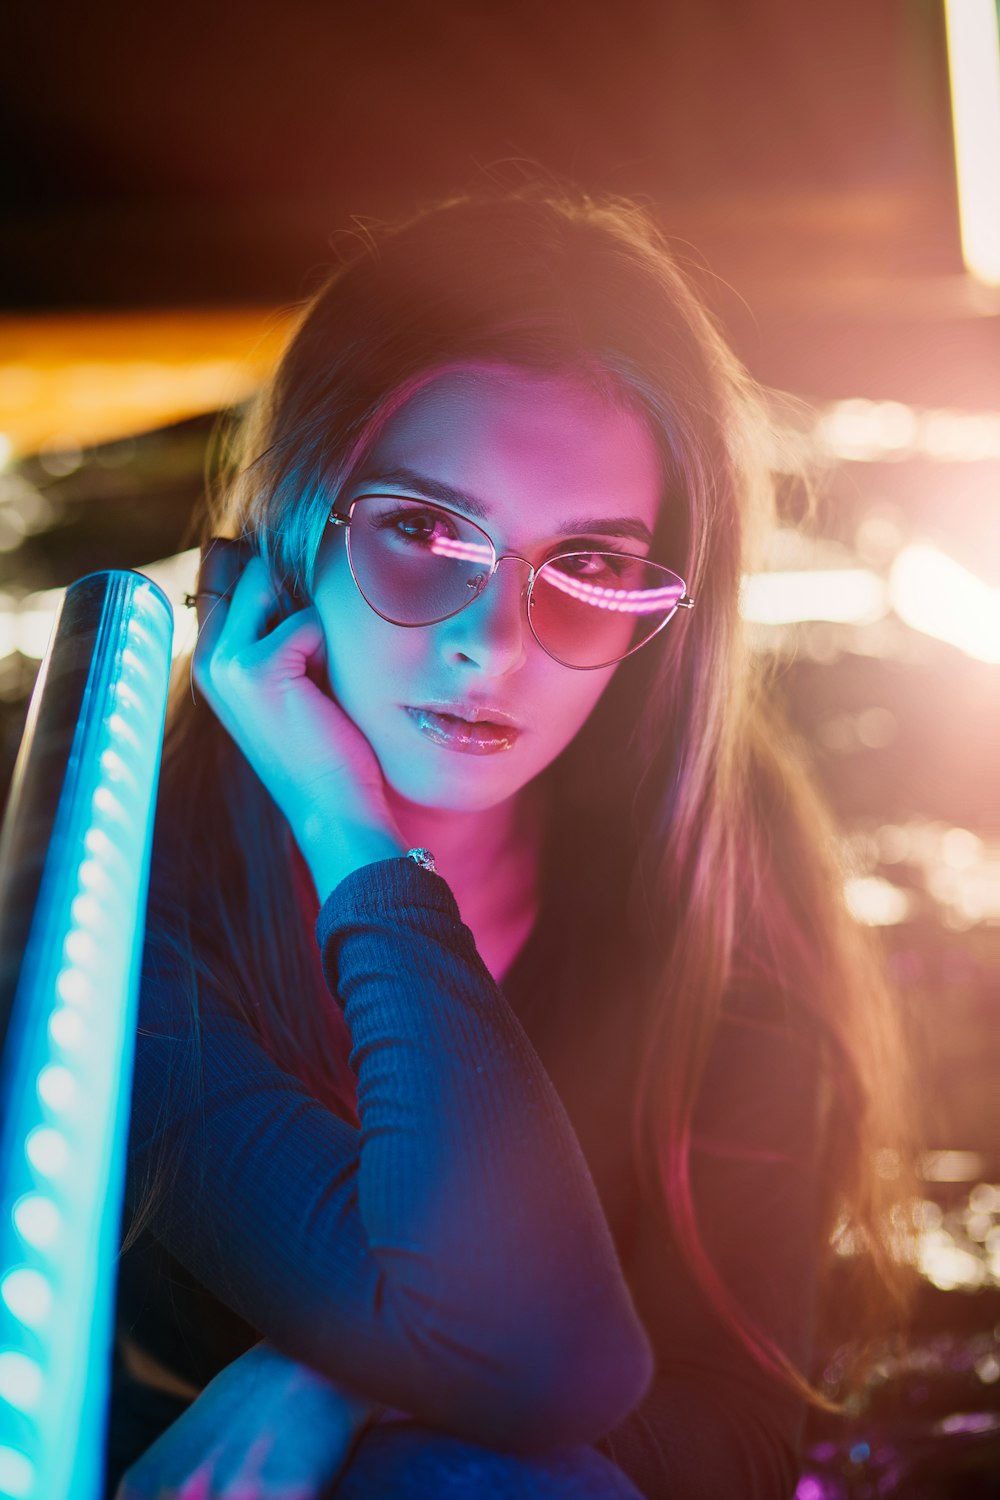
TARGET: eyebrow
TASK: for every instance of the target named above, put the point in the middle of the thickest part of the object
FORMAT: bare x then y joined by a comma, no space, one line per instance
437,489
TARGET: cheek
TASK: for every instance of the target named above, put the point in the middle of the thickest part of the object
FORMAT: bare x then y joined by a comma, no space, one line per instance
369,661
569,699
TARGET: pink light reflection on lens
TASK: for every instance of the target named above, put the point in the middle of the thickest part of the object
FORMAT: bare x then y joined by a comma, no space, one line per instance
627,601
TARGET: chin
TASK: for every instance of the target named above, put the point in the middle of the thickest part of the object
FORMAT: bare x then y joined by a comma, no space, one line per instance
480,788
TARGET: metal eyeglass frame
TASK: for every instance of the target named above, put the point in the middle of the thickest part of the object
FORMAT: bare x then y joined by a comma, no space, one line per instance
335,518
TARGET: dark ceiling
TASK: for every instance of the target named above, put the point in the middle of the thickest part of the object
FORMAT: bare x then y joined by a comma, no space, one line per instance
189,153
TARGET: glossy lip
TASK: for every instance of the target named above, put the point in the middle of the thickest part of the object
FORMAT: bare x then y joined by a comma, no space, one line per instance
472,713
483,738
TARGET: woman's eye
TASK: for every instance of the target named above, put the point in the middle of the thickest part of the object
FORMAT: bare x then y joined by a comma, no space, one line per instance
419,527
414,525
591,565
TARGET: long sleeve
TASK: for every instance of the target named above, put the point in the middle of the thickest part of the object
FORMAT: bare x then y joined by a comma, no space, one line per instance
713,1422
450,1258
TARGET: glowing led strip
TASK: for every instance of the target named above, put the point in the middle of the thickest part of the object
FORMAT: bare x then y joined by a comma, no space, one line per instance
66,1068
447,546
627,601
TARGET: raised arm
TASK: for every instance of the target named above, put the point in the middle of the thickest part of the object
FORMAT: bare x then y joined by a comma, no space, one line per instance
451,1259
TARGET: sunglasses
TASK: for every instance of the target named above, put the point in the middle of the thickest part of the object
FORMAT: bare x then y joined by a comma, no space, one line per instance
417,563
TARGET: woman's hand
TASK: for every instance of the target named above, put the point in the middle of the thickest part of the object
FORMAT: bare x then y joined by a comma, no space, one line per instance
265,687
266,1428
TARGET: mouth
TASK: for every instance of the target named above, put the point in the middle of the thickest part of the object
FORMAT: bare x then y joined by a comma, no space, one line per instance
478,735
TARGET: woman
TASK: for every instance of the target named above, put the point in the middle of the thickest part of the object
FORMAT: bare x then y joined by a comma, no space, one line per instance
507,1056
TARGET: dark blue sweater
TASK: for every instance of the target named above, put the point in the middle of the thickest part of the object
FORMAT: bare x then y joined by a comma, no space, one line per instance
479,1253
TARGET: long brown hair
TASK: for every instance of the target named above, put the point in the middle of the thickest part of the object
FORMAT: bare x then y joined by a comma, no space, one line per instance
728,854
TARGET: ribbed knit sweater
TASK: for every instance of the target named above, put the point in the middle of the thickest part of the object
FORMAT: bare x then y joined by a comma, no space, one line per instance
479,1253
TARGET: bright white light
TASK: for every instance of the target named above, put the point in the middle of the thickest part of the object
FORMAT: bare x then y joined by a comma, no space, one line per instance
106,802
848,595
123,731
48,1150
966,896
946,1264
28,1294
93,875
56,1087
36,1220
17,1474
73,987
951,1166
974,66
86,910
21,1380
863,431
32,629
961,848
112,763
876,902
985,1198
66,1028
97,842
959,436
80,948
939,597
868,430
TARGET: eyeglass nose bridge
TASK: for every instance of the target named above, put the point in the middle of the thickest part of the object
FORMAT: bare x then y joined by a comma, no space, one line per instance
480,580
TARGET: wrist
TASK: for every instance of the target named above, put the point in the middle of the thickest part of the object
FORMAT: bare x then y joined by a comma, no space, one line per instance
335,850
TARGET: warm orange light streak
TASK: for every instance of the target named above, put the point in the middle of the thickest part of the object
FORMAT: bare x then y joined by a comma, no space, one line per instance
74,380
974,65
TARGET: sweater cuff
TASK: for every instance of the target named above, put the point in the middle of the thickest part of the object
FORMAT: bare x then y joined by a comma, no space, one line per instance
385,888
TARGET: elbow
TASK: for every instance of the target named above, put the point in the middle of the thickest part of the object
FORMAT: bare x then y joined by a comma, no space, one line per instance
586,1384
565,1389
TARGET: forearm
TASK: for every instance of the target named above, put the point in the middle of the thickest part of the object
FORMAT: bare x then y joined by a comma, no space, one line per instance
265,1423
469,1159
451,1259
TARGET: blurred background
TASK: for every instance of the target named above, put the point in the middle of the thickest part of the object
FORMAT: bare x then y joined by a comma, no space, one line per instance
175,180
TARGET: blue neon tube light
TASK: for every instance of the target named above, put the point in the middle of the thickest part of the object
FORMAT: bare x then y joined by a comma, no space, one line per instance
74,875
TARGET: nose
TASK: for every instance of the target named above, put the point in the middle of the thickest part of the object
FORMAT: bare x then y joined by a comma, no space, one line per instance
492,632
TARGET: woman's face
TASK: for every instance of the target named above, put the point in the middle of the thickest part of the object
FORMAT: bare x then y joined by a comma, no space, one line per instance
544,463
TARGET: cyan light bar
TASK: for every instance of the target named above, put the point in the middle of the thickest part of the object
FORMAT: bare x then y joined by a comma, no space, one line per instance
74,872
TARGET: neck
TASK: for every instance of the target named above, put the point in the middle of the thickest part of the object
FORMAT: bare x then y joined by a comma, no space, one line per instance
489,857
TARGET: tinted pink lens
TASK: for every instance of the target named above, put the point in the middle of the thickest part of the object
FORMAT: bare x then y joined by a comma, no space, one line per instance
592,608
414,562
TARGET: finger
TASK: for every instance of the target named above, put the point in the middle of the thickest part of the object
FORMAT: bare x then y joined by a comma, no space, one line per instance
295,643
251,605
222,561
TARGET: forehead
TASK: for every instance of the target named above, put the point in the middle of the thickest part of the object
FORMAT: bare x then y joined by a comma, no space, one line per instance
531,447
